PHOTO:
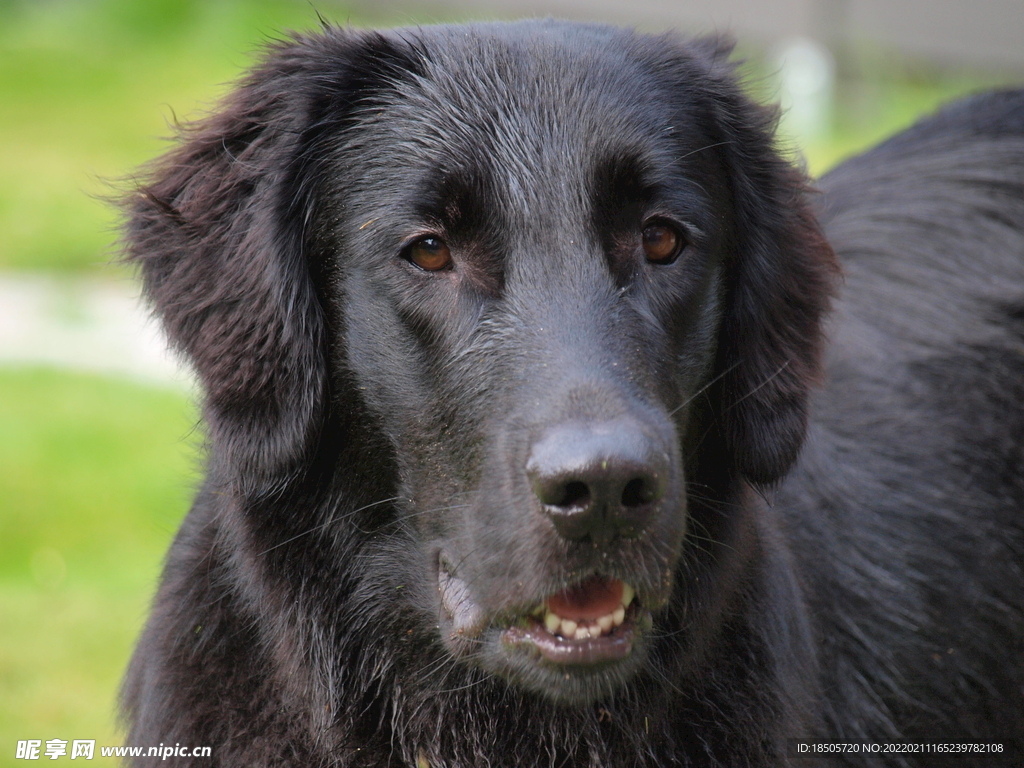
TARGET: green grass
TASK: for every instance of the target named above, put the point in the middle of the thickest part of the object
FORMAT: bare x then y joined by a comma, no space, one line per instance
97,474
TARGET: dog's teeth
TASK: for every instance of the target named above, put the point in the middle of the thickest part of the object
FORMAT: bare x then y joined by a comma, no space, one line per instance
585,629
552,622
628,593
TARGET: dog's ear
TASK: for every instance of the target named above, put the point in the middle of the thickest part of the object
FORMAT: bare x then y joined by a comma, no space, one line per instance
219,231
781,274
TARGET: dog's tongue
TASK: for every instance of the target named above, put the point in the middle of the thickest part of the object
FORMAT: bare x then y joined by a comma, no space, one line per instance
594,598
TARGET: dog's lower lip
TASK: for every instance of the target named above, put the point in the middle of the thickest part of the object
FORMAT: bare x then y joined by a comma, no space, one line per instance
596,650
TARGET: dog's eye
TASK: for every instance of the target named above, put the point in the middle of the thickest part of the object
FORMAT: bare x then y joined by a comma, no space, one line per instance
429,253
662,242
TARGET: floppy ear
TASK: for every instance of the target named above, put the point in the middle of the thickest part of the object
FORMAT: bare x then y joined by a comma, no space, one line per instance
781,274
218,230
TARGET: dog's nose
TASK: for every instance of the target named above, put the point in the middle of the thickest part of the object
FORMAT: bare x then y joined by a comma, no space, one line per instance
599,481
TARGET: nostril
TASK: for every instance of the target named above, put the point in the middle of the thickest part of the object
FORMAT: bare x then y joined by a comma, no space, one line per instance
602,480
639,491
561,493
575,494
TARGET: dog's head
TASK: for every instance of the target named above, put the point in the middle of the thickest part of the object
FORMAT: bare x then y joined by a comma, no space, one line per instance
558,272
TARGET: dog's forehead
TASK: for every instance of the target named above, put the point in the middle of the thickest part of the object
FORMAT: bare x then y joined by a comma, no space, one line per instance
528,102
538,81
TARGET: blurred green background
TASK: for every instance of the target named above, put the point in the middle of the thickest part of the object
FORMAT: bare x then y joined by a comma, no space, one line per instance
96,470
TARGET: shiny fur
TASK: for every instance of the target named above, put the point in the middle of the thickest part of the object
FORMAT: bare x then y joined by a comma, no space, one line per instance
367,419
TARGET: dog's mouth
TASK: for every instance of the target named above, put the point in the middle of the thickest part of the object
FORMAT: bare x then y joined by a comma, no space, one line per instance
590,623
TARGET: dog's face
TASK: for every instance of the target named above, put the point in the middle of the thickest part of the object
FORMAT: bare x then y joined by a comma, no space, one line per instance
520,256
530,279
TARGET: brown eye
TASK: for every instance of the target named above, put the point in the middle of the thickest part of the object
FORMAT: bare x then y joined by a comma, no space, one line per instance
662,243
429,253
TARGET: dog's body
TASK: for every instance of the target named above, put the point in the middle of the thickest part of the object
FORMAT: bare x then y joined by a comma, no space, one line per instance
498,324
904,509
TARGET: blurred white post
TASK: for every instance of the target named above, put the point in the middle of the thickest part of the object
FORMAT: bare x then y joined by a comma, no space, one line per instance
807,76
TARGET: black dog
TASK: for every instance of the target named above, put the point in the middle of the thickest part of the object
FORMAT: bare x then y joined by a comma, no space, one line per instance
508,335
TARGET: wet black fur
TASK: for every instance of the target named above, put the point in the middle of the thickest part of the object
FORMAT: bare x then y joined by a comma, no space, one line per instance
363,415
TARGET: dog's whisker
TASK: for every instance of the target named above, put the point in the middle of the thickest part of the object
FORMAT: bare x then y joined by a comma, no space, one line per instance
761,385
703,389
333,519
